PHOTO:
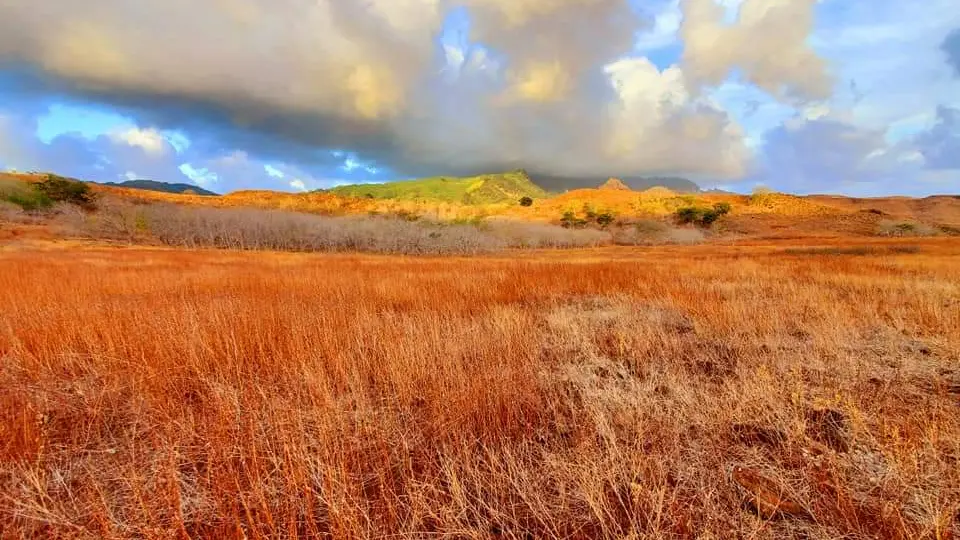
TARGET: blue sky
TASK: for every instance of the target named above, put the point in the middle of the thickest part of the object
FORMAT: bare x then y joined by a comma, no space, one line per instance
836,96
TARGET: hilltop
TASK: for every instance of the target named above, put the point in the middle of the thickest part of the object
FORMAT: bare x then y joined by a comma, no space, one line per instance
475,190
638,183
162,187
615,184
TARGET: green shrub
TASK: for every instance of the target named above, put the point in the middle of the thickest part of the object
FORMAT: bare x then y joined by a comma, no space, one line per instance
704,217
23,194
688,214
30,200
526,201
604,219
60,189
708,218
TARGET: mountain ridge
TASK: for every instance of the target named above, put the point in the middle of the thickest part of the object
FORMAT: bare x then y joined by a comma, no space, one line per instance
163,187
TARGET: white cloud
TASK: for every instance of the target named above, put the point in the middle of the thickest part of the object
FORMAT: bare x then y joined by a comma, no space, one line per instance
549,85
150,140
655,122
201,176
298,185
273,172
767,44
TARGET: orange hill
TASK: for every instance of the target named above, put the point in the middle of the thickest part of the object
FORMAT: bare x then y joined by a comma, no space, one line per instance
750,214
615,184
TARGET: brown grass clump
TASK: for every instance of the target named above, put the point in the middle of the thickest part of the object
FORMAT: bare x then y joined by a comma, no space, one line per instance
668,392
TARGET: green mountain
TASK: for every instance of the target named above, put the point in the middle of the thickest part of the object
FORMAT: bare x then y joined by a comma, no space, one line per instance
152,185
483,189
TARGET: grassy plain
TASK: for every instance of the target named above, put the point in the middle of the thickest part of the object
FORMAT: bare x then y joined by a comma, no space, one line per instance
806,389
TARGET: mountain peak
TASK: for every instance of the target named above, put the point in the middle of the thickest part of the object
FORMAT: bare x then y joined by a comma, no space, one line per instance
615,184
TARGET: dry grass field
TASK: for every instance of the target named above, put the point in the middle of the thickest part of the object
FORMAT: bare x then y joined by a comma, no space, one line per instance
723,391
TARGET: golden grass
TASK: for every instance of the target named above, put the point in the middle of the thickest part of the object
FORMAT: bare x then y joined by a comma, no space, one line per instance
741,391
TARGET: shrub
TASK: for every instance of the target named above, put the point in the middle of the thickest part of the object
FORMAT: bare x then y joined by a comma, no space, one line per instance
23,195
604,220
115,219
29,201
60,189
652,232
526,201
905,228
521,234
704,217
688,214
247,229
10,211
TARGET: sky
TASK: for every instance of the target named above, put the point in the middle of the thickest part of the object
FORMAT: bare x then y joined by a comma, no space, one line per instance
860,97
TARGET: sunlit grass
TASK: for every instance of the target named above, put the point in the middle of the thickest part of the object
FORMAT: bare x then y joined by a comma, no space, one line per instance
159,393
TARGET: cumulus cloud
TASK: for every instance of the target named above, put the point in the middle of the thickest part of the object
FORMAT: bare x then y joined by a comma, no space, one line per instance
767,44
827,153
150,141
548,85
299,94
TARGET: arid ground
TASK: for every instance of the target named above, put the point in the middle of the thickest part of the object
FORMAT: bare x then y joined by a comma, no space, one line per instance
803,389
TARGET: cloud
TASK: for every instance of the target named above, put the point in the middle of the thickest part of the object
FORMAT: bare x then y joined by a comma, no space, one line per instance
258,93
767,44
940,145
144,153
150,140
299,185
826,153
291,80
951,47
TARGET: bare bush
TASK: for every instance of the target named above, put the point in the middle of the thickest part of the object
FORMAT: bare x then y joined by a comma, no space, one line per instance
291,231
650,232
905,228
541,235
115,219
11,212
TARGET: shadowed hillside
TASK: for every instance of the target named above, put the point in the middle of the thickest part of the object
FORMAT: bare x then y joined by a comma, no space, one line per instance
163,187
562,183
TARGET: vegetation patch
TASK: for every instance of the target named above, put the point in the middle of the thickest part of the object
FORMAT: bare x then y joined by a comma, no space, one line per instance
702,217
506,188
34,196
852,250
905,229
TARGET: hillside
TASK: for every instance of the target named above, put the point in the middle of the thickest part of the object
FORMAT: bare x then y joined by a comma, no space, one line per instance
163,187
638,183
485,189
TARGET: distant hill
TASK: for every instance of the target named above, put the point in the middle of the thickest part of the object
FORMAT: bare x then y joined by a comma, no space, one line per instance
615,184
484,189
561,183
163,187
